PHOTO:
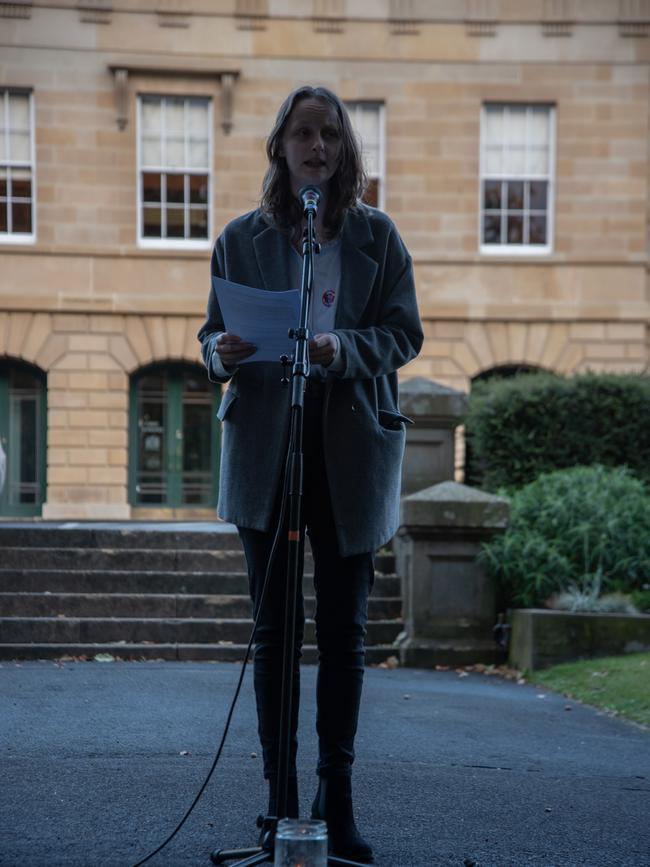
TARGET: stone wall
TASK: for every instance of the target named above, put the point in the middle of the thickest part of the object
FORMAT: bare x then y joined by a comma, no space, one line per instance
85,287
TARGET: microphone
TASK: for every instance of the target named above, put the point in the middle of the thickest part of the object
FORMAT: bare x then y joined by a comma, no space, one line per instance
310,197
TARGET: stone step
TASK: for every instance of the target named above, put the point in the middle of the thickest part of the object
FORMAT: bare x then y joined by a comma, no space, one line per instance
214,652
156,605
126,581
136,559
90,630
134,535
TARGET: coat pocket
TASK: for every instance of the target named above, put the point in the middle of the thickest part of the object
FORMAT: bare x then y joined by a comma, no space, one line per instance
229,397
392,420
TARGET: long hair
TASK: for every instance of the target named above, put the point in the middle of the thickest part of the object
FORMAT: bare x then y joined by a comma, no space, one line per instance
346,186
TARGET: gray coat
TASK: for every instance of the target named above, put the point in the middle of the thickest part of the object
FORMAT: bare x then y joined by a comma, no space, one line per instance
379,329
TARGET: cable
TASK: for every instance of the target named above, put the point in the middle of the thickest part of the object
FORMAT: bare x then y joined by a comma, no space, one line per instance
276,539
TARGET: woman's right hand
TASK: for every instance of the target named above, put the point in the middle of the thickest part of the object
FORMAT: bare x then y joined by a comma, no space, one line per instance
231,349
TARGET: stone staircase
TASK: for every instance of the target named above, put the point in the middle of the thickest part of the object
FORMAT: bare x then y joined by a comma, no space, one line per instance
147,591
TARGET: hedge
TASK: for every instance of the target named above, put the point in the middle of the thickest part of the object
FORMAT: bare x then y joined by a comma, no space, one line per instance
530,424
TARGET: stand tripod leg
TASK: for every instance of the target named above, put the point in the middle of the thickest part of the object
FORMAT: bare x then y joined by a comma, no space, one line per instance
334,859
250,856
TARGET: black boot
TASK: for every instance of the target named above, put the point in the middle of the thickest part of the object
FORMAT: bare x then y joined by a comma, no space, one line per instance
333,802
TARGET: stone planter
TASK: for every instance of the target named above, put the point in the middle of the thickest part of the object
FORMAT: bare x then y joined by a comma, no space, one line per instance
541,638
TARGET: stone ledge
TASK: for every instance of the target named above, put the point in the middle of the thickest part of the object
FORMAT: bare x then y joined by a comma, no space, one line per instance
452,505
542,638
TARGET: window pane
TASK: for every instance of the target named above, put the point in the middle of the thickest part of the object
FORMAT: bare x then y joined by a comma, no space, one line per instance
175,153
371,159
3,217
3,145
174,117
493,161
492,195
151,116
3,183
538,195
494,126
516,125
198,153
175,189
19,146
198,222
151,153
491,229
539,127
198,189
371,195
21,217
151,225
515,161
537,230
515,195
515,230
151,187
21,184
175,223
197,118
152,458
19,112
538,161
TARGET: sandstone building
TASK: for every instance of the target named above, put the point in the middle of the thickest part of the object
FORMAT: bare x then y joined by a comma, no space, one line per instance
508,140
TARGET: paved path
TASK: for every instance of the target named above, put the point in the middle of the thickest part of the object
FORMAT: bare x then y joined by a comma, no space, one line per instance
450,768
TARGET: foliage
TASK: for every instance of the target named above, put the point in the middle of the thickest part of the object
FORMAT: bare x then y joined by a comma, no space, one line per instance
591,601
618,684
641,599
584,529
520,427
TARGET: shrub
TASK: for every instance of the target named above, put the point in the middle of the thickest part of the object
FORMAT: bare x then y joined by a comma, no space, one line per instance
520,427
580,530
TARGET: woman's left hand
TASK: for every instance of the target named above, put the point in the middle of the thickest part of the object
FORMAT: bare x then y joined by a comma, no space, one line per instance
322,349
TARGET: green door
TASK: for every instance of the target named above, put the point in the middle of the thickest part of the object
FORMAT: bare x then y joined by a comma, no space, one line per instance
24,438
174,438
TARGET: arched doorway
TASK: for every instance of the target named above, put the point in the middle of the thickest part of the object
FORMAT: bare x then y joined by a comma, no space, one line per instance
174,437
23,433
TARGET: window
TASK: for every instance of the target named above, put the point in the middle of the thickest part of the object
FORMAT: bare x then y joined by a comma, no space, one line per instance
174,182
16,167
368,122
517,169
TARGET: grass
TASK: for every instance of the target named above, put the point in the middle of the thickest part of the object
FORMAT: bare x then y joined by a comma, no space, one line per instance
616,684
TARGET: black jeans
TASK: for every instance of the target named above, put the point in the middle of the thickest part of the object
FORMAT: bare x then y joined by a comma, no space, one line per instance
342,586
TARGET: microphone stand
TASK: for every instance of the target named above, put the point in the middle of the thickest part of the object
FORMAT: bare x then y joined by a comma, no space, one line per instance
299,374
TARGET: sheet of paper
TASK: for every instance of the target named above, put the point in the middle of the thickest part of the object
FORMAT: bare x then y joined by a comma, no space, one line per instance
260,317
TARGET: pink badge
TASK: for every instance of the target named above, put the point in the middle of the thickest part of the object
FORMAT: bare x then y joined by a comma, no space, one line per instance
329,296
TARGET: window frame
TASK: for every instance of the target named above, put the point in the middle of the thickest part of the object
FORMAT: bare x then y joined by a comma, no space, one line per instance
5,92
519,249
381,175
172,243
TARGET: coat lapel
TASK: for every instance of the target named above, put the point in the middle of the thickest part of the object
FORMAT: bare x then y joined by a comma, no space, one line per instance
272,254
358,270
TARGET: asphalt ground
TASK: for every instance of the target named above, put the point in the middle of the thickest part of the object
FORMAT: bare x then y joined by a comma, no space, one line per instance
100,761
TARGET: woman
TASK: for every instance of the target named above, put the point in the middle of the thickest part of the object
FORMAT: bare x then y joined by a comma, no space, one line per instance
365,323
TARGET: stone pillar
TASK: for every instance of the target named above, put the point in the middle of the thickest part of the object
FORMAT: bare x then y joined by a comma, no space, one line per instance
436,410
449,601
